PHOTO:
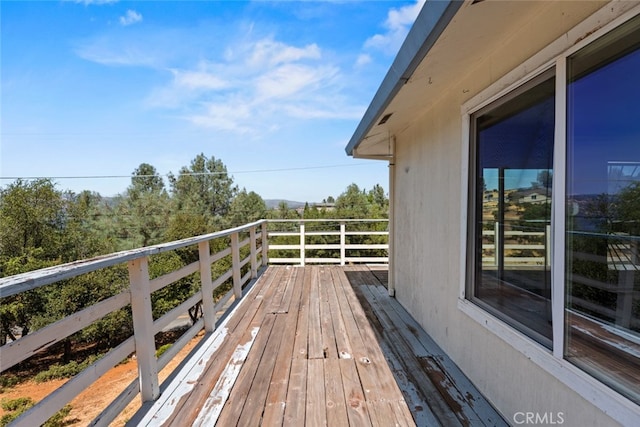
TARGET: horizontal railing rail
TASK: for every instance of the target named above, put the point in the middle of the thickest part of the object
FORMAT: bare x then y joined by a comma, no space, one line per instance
138,297
340,241
235,262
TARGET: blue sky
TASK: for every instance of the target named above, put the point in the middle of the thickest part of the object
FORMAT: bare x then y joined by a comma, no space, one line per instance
93,88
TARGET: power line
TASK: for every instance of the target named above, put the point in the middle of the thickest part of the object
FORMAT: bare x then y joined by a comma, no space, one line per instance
302,168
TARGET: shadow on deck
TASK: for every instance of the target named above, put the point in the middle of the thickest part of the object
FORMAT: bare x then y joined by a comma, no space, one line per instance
318,345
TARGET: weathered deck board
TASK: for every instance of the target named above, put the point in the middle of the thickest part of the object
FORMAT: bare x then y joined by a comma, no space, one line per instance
315,345
448,392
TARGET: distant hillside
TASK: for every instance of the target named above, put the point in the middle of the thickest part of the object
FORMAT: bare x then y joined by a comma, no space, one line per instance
274,203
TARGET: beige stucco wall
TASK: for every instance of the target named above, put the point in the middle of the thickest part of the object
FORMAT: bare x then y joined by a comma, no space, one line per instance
427,208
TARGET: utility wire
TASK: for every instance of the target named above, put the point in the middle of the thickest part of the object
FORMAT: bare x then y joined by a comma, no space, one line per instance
187,173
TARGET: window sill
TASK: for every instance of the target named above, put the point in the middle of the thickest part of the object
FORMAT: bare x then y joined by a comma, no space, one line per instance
613,404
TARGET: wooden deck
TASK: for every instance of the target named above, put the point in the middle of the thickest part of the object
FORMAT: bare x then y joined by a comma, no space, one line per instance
318,345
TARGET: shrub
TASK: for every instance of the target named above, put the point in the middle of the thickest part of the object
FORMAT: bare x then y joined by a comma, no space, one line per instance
162,349
19,404
58,371
15,408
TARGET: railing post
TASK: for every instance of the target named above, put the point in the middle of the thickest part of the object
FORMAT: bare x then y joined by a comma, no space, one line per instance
143,329
265,245
496,243
208,310
548,244
343,243
302,239
254,253
235,265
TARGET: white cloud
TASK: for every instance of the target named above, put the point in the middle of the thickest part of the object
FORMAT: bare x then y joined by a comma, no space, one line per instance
397,26
250,85
257,86
130,18
363,59
199,79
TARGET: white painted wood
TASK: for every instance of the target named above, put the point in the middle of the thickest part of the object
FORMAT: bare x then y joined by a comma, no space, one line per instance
143,329
163,408
618,407
558,212
220,280
366,233
302,244
275,247
106,417
343,243
245,261
174,313
377,260
219,255
16,351
169,278
208,314
212,407
265,244
222,301
254,254
180,343
244,279
23,282
235,265
51,404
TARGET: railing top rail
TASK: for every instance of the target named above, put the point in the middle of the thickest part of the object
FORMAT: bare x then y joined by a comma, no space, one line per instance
328,220
26,281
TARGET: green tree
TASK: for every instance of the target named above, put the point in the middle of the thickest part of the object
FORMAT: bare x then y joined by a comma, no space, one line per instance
87,230
144,210
31,216
246,208
353,203
204,188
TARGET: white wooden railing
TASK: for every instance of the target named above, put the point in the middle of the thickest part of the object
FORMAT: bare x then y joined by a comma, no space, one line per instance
491,251
340,249
250,239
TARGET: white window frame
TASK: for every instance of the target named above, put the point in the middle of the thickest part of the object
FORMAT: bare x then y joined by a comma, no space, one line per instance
555,55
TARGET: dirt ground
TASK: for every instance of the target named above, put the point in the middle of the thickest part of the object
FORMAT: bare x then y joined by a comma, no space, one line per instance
88,404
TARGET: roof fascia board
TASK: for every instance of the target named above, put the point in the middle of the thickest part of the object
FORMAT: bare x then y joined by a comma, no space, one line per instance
427,28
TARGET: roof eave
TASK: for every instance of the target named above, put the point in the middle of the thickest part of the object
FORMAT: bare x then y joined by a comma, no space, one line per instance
427,28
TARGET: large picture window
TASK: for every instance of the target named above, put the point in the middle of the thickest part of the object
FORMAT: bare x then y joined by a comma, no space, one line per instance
593,319
514,158
603,222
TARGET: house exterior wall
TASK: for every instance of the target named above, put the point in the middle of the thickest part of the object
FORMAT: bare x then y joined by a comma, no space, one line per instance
428,211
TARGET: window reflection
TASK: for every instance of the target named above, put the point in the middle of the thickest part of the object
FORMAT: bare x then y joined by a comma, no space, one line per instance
514,146
603,225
